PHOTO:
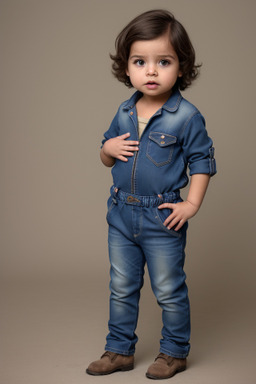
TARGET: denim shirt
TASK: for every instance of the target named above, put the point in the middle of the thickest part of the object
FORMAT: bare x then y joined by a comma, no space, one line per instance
174,139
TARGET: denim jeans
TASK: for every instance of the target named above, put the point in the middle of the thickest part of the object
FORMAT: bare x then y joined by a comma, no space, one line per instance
137,236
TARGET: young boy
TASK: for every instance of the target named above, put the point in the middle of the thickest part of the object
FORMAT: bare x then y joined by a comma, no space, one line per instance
153,138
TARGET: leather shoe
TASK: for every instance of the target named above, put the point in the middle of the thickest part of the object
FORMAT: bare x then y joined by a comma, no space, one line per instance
110,362
165,367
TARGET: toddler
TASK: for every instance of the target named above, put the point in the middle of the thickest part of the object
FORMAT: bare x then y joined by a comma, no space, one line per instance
154,137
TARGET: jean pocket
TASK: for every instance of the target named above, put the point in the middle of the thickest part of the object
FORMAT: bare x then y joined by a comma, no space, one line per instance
161,215
160,148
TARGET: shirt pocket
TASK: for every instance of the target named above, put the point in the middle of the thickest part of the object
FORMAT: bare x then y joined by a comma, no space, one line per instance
160,148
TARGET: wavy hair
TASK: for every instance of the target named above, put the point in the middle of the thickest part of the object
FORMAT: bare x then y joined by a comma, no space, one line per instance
148,26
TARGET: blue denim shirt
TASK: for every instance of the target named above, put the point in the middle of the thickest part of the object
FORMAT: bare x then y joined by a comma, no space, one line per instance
174,139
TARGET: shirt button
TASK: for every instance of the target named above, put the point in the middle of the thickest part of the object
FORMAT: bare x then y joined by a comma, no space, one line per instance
162,142
162,137
131,113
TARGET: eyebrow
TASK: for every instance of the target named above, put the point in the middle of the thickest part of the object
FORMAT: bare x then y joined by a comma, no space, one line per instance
158,56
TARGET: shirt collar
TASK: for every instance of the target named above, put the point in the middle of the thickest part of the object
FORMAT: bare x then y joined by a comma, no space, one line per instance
171,105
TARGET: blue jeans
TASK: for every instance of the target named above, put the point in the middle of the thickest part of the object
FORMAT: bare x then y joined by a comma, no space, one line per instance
137,236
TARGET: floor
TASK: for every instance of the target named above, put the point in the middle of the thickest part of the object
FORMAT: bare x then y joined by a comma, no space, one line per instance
50,332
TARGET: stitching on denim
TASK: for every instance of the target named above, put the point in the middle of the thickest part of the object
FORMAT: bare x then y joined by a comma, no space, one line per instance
162,163
134,174
129,104
147,201
157,164
172,109
193,114
174,138
134,166
135,235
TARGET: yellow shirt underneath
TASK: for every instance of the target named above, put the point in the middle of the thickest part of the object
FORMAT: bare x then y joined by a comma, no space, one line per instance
142,122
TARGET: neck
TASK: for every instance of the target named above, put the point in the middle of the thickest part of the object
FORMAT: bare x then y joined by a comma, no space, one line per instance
155,100
148,105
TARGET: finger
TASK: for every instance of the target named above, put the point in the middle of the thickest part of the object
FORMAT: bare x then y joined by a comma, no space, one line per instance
122,158
129,148
168,221
180,225
166,205
126,153
173,223
171,219
129,142
177,222
125,135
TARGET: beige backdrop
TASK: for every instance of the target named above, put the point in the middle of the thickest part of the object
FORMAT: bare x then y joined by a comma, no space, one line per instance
58,97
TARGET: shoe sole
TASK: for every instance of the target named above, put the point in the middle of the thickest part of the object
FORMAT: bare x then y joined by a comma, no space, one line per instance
165,377
123,369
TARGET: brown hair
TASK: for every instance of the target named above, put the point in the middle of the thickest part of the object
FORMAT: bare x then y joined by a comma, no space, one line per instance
148,26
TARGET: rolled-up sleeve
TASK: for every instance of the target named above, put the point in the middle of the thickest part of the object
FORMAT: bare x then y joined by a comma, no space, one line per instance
198,147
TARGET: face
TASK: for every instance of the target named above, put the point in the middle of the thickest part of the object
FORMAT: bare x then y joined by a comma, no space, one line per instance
153,67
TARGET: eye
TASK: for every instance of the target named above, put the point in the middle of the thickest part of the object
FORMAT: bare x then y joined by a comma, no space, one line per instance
164,63
139,62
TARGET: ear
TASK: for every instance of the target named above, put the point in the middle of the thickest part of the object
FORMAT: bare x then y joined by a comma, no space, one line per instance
180,74
127,72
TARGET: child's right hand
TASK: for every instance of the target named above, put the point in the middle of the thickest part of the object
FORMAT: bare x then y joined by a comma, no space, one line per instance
120,148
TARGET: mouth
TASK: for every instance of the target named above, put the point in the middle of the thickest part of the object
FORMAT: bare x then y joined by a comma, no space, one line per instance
151,85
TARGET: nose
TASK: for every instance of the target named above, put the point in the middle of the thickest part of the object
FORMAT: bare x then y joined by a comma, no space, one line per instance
151,70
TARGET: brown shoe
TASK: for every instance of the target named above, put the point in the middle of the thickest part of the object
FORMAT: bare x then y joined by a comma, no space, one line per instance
110,362
165,367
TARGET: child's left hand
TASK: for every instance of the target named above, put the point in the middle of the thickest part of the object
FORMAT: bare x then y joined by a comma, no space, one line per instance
181,212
